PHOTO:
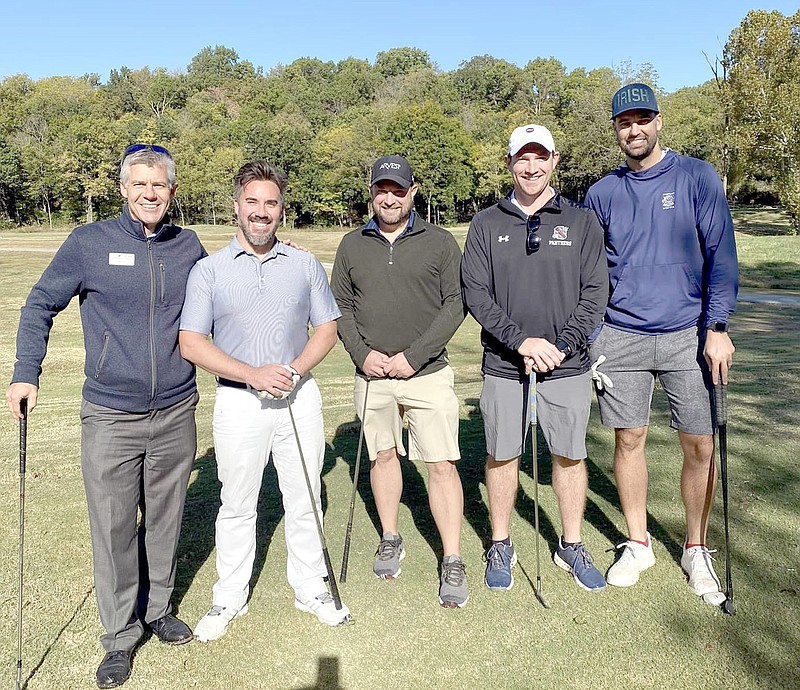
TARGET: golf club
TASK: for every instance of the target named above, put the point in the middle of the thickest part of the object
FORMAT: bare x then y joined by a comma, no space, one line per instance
331,579
721,406
532,404
348,531
23,449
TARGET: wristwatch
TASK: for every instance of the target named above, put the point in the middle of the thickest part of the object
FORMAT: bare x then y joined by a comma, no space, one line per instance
563,347
718,326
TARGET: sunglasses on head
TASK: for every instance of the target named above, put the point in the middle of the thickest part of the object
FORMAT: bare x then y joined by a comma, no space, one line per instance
135,148
533,241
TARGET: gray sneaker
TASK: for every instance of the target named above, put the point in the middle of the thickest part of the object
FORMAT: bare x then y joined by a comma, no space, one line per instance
388,556
453,585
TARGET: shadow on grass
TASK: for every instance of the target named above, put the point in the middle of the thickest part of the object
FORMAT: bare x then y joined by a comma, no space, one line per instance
327,675
414,496
200,513
56,639
472,475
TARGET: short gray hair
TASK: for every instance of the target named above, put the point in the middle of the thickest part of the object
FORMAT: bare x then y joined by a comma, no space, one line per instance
150,158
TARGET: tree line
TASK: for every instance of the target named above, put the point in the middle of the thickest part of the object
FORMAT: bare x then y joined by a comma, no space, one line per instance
324,123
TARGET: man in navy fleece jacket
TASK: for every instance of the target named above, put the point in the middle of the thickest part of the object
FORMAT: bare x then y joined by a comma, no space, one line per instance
137,414
673,284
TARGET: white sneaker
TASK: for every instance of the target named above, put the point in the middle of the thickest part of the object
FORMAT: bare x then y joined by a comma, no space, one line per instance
323,607
634,560
214,624
703,581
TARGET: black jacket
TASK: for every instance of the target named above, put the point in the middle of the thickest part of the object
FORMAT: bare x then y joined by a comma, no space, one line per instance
558,292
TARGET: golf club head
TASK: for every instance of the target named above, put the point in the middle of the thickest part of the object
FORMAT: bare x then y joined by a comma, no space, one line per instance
540,597
727,607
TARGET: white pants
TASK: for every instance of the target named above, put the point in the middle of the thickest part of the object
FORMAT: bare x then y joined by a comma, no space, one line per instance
246,430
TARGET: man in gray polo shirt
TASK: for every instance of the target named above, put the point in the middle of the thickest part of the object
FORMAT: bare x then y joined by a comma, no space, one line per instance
257,296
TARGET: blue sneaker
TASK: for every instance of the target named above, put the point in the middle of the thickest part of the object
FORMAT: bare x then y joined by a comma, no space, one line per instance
499,561
576,560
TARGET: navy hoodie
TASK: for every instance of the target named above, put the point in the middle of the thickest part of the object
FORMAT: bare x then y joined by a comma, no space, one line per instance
670,246
131,289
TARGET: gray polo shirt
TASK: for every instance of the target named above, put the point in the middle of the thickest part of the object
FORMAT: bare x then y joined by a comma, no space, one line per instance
258,310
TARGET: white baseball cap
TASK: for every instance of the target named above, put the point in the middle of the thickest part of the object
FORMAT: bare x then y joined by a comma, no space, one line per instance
530,134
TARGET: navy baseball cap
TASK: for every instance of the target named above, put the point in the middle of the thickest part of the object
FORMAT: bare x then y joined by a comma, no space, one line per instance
633,97
394,168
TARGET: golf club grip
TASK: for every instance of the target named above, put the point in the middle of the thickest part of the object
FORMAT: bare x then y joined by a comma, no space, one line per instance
23,435
721,403
532,398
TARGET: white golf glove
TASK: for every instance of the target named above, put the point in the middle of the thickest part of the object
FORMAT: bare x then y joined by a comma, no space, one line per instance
600,379
266,395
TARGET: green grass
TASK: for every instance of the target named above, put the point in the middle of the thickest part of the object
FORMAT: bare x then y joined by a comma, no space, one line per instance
654,635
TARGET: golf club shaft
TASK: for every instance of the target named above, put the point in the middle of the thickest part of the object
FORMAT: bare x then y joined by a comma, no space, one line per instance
326,557
721,407
349,530
23,451
534,424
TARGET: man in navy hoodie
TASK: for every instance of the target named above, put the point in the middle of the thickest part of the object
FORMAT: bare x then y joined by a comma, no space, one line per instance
137,414
673,280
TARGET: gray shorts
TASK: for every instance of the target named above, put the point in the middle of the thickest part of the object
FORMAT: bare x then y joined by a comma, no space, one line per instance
562,407
633,361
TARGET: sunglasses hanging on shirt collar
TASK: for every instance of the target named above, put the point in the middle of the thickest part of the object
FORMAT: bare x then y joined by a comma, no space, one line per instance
533,241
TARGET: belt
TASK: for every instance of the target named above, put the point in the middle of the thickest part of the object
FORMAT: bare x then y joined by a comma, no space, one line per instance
232,384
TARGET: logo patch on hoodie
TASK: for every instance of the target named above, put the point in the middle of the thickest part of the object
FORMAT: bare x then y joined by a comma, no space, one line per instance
560,236
667,200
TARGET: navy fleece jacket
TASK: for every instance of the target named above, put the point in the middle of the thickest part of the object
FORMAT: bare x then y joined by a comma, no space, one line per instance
131,291
670,246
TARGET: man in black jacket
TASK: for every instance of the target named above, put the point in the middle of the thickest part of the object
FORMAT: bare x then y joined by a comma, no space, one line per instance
138,437
534,276
396,283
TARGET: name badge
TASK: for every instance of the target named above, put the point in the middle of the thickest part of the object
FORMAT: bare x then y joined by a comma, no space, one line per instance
119,259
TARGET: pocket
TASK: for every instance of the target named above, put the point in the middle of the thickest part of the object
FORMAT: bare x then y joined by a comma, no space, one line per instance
103,352
660,295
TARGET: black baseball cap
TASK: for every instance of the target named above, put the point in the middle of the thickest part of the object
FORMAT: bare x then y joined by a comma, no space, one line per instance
394,168
633,97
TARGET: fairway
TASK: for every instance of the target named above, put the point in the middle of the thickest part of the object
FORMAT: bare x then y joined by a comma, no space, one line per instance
654,635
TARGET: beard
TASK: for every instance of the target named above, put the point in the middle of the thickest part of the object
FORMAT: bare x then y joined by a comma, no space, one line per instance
641,153
256,240
393,216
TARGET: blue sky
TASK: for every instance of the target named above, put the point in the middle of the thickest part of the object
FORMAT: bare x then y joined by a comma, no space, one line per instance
53,37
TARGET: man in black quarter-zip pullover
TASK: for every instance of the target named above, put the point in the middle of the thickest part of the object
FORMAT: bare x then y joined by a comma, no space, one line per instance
535,279
396,281
137,414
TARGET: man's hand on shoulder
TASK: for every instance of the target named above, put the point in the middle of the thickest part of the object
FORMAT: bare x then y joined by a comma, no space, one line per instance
398,367
718,352
17,392
294,245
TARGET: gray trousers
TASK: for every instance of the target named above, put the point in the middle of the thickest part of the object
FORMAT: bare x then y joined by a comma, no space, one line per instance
135,462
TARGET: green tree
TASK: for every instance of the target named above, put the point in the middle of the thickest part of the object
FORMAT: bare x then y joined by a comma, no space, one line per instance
439,151
762,95
488,80
586,139
401,61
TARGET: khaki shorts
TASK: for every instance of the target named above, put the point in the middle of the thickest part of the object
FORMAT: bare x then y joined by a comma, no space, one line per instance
430,408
